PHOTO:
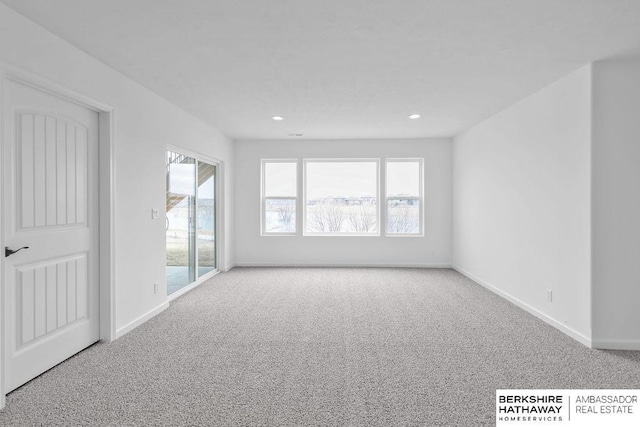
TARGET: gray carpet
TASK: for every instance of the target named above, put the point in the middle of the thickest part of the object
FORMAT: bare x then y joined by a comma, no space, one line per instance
358,347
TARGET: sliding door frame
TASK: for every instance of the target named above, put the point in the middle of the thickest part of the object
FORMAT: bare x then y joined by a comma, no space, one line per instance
218,218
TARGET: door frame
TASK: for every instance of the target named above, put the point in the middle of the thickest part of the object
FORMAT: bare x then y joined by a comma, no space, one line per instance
106,210
218,221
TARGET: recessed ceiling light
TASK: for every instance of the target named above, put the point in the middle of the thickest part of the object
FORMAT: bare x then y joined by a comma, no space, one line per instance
414,116
277,118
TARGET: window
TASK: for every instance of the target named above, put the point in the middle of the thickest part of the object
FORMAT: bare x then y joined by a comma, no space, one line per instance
404,196
341,197
279,189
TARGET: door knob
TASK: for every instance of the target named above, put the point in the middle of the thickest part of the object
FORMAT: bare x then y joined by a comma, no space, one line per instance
8,251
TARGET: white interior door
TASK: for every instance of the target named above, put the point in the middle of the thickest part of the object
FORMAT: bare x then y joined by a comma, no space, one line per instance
50,204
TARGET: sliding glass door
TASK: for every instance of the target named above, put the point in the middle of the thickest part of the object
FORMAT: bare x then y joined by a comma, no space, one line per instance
190,220
206,218
181,192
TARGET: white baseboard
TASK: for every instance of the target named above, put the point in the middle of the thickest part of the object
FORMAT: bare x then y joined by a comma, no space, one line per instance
151,314
616,344
193,285
140,320
526,307
338,265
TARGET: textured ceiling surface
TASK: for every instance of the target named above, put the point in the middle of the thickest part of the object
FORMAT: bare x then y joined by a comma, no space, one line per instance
343,68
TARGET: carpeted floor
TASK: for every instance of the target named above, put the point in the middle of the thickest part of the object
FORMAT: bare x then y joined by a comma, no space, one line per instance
281,347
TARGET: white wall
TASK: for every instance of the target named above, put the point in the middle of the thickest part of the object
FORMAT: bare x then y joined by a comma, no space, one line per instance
616,204
521,203
432,249
144,125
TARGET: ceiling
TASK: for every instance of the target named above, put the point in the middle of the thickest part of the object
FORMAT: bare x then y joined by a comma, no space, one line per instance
343,68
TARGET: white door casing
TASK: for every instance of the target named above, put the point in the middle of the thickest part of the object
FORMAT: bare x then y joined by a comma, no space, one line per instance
51,200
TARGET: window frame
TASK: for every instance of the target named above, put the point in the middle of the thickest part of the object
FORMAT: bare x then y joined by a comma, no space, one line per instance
420,197
263,198
379,217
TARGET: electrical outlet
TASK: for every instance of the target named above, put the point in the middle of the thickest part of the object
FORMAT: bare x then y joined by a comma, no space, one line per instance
549,295
154,213
155,288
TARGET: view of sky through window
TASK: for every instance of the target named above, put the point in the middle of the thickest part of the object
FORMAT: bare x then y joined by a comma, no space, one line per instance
403,179
341,179
280,179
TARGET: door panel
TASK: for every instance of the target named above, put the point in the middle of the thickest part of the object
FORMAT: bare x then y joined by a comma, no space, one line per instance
180,230
52,158
206,218
51,305
51,295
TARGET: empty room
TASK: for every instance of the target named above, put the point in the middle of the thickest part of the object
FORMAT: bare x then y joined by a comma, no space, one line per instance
320,212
